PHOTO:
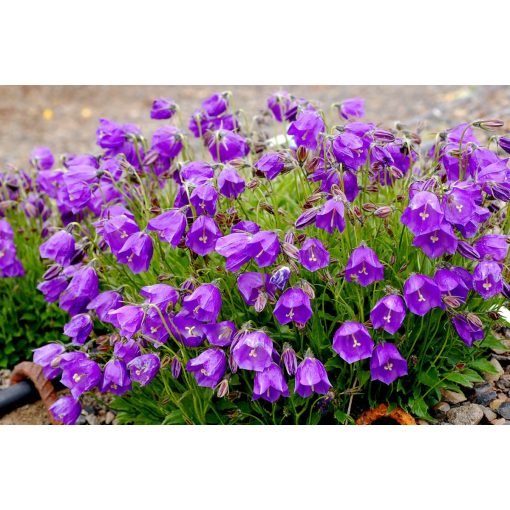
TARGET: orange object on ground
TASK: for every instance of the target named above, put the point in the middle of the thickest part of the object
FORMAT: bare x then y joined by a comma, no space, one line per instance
398,415
29,370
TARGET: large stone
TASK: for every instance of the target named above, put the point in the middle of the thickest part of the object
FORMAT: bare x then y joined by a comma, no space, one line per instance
469,414
504,410
494,377
484,394
452,397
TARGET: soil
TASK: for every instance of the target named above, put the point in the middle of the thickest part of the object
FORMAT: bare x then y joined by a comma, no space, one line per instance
65,118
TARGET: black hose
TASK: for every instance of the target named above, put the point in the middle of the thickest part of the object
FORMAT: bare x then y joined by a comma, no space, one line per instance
17,395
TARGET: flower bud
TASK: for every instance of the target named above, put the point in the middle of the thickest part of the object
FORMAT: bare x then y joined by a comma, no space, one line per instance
383,212
223,388
232,364
506,290
369,207
52,272
188,284
253,184
175,367
307,288
280,277
468,251
489,125
307,218
266,207
289,237
403,267
337,192
396,173
474,319
312,200
150,158
293,267
312,165
493,315
301,154
372,188
504,143
164,277
289,359
290,250
357,212
260,302
384,136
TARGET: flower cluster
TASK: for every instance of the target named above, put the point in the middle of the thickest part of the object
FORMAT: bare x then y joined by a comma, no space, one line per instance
10,265
270,268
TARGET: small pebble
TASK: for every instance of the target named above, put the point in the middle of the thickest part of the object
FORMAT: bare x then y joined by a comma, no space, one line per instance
494,405
109,418
498,421
489,414
442,407
91,419
452,397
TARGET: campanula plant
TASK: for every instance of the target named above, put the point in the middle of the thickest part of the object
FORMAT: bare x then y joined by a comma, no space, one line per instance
299,268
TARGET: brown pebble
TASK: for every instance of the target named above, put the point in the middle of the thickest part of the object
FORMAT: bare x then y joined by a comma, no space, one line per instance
496,403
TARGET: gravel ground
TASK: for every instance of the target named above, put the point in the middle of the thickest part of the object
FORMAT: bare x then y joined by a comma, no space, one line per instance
65,117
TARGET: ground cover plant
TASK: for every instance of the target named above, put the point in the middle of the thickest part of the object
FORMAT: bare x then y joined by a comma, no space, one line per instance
27,321
296,267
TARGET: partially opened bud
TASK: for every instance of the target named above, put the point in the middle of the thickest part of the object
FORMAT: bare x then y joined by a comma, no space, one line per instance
307,288
175,367
289,359
474,319
289,237
260,302
290,250
223,388
301,154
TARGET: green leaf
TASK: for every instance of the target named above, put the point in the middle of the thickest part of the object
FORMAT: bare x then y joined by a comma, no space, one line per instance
459,378
473,376
484,366
491,342
429,378
343,418
420,409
